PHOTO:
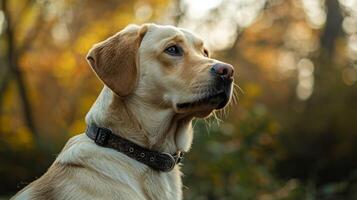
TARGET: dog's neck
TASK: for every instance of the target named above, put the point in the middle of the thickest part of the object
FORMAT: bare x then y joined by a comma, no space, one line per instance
150,126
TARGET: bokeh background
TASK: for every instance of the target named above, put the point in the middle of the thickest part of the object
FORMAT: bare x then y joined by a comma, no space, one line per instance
291,134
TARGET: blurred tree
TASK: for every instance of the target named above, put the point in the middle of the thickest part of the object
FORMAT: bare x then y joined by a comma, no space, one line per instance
13,52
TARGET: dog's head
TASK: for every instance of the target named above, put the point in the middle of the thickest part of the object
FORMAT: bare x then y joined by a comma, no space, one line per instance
163,66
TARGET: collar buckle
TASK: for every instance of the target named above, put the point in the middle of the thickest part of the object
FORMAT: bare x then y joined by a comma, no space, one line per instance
178,156
168,162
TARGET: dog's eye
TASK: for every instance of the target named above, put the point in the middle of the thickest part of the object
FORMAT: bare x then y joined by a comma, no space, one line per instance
174,50
205,52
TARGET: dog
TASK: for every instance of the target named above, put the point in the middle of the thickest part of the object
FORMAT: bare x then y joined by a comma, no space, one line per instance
157,79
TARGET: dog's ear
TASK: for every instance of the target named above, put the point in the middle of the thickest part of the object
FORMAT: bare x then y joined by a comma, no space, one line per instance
115,60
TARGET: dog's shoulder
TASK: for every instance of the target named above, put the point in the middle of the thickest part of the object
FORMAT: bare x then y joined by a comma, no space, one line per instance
54,180
84,171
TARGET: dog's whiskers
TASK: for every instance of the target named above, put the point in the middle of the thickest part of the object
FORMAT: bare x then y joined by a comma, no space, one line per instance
239,88
218,120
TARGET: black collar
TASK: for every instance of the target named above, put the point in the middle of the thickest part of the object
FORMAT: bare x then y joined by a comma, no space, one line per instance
158,161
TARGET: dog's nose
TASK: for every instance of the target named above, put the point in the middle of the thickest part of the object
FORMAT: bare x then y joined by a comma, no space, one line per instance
223,70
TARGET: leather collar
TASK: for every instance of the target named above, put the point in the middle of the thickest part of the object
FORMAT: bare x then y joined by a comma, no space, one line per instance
104,137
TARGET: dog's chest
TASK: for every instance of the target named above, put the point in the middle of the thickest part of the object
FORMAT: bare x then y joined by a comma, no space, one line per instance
163,185
115,174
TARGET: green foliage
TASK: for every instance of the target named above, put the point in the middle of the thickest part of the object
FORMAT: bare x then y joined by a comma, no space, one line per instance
232,160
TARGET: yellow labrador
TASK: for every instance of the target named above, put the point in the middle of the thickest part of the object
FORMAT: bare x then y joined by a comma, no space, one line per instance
157,79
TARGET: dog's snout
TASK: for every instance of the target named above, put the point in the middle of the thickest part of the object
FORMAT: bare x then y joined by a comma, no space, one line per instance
223,70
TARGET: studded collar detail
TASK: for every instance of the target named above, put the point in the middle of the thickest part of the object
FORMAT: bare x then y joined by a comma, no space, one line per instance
158,161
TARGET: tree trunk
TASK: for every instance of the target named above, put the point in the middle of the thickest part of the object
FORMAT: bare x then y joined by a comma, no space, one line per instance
15,72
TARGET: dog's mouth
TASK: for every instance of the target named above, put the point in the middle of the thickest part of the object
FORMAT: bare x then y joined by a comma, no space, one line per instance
217,100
